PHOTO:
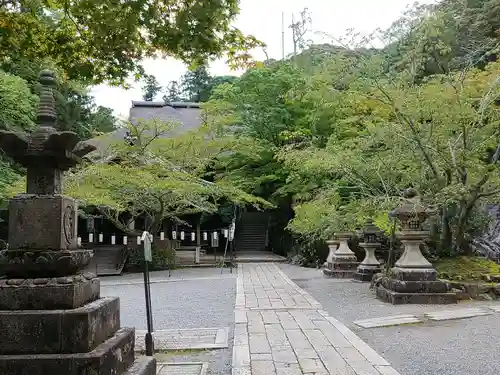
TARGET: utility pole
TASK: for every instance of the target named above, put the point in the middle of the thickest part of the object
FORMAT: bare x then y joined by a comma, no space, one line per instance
283,35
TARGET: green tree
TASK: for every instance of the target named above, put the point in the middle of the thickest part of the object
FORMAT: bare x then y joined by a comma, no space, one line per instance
196,85
105,40
76,109
151,87
156,177
17,103
173,92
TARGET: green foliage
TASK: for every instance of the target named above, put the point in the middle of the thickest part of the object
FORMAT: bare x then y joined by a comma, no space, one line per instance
340,133
96,40
76,109
151,87
156,176
173,92
17,103
467,269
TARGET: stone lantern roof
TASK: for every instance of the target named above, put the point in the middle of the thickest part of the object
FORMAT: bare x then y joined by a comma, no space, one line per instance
412,213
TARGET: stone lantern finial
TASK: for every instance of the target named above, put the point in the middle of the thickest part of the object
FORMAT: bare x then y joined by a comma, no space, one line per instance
46,115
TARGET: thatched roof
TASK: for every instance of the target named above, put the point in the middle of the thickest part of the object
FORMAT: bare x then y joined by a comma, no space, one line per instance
186,114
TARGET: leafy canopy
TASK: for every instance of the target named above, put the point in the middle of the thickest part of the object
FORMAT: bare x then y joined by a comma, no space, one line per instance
105,40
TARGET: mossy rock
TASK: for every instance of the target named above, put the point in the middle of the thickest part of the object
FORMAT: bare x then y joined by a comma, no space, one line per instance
468,269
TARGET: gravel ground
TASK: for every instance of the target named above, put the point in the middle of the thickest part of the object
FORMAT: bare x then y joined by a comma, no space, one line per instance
459,347
176,275
191,298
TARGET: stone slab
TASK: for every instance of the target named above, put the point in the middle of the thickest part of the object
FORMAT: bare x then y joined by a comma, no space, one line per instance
142,366
387,321
49,294
386,370
456,314
495,308
59,331
182,368
185,339
114,356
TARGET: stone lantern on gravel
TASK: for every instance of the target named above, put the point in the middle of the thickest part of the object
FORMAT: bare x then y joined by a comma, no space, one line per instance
413,279
343,263
369,236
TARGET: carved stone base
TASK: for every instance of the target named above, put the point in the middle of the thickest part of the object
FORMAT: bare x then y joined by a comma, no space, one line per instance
414,286
365,273
59,331
21,264
114,356
342,267
68,292
397,298
44,222
338,274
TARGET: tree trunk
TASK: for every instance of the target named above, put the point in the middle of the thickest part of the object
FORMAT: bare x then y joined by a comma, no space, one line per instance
446,240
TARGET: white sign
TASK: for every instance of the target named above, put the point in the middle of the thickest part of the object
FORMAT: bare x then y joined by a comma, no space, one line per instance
232,229
193,236
125,240
162,236
147,239
182,235
101,237
91,237
226,232
205,236
174,235
113,239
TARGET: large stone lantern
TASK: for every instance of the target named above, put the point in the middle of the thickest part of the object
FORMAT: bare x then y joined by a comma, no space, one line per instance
343,263
369,235
413,279
52,318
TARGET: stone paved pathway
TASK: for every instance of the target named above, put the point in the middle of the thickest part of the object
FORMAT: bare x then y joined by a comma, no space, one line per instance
281,330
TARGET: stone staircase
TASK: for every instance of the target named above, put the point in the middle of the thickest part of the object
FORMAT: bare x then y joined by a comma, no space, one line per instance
107,261
251,232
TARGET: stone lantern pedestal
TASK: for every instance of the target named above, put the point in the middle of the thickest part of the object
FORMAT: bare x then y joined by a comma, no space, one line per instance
413,278
370,264
344,262
52,318
332,248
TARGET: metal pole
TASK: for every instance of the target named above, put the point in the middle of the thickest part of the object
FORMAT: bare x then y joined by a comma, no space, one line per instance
149,317
283,35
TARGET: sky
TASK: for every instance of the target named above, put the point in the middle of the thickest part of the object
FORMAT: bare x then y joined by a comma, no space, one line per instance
263,19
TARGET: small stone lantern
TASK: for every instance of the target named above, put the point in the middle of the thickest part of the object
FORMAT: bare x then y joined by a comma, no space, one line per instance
344,262
413,279
369,236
